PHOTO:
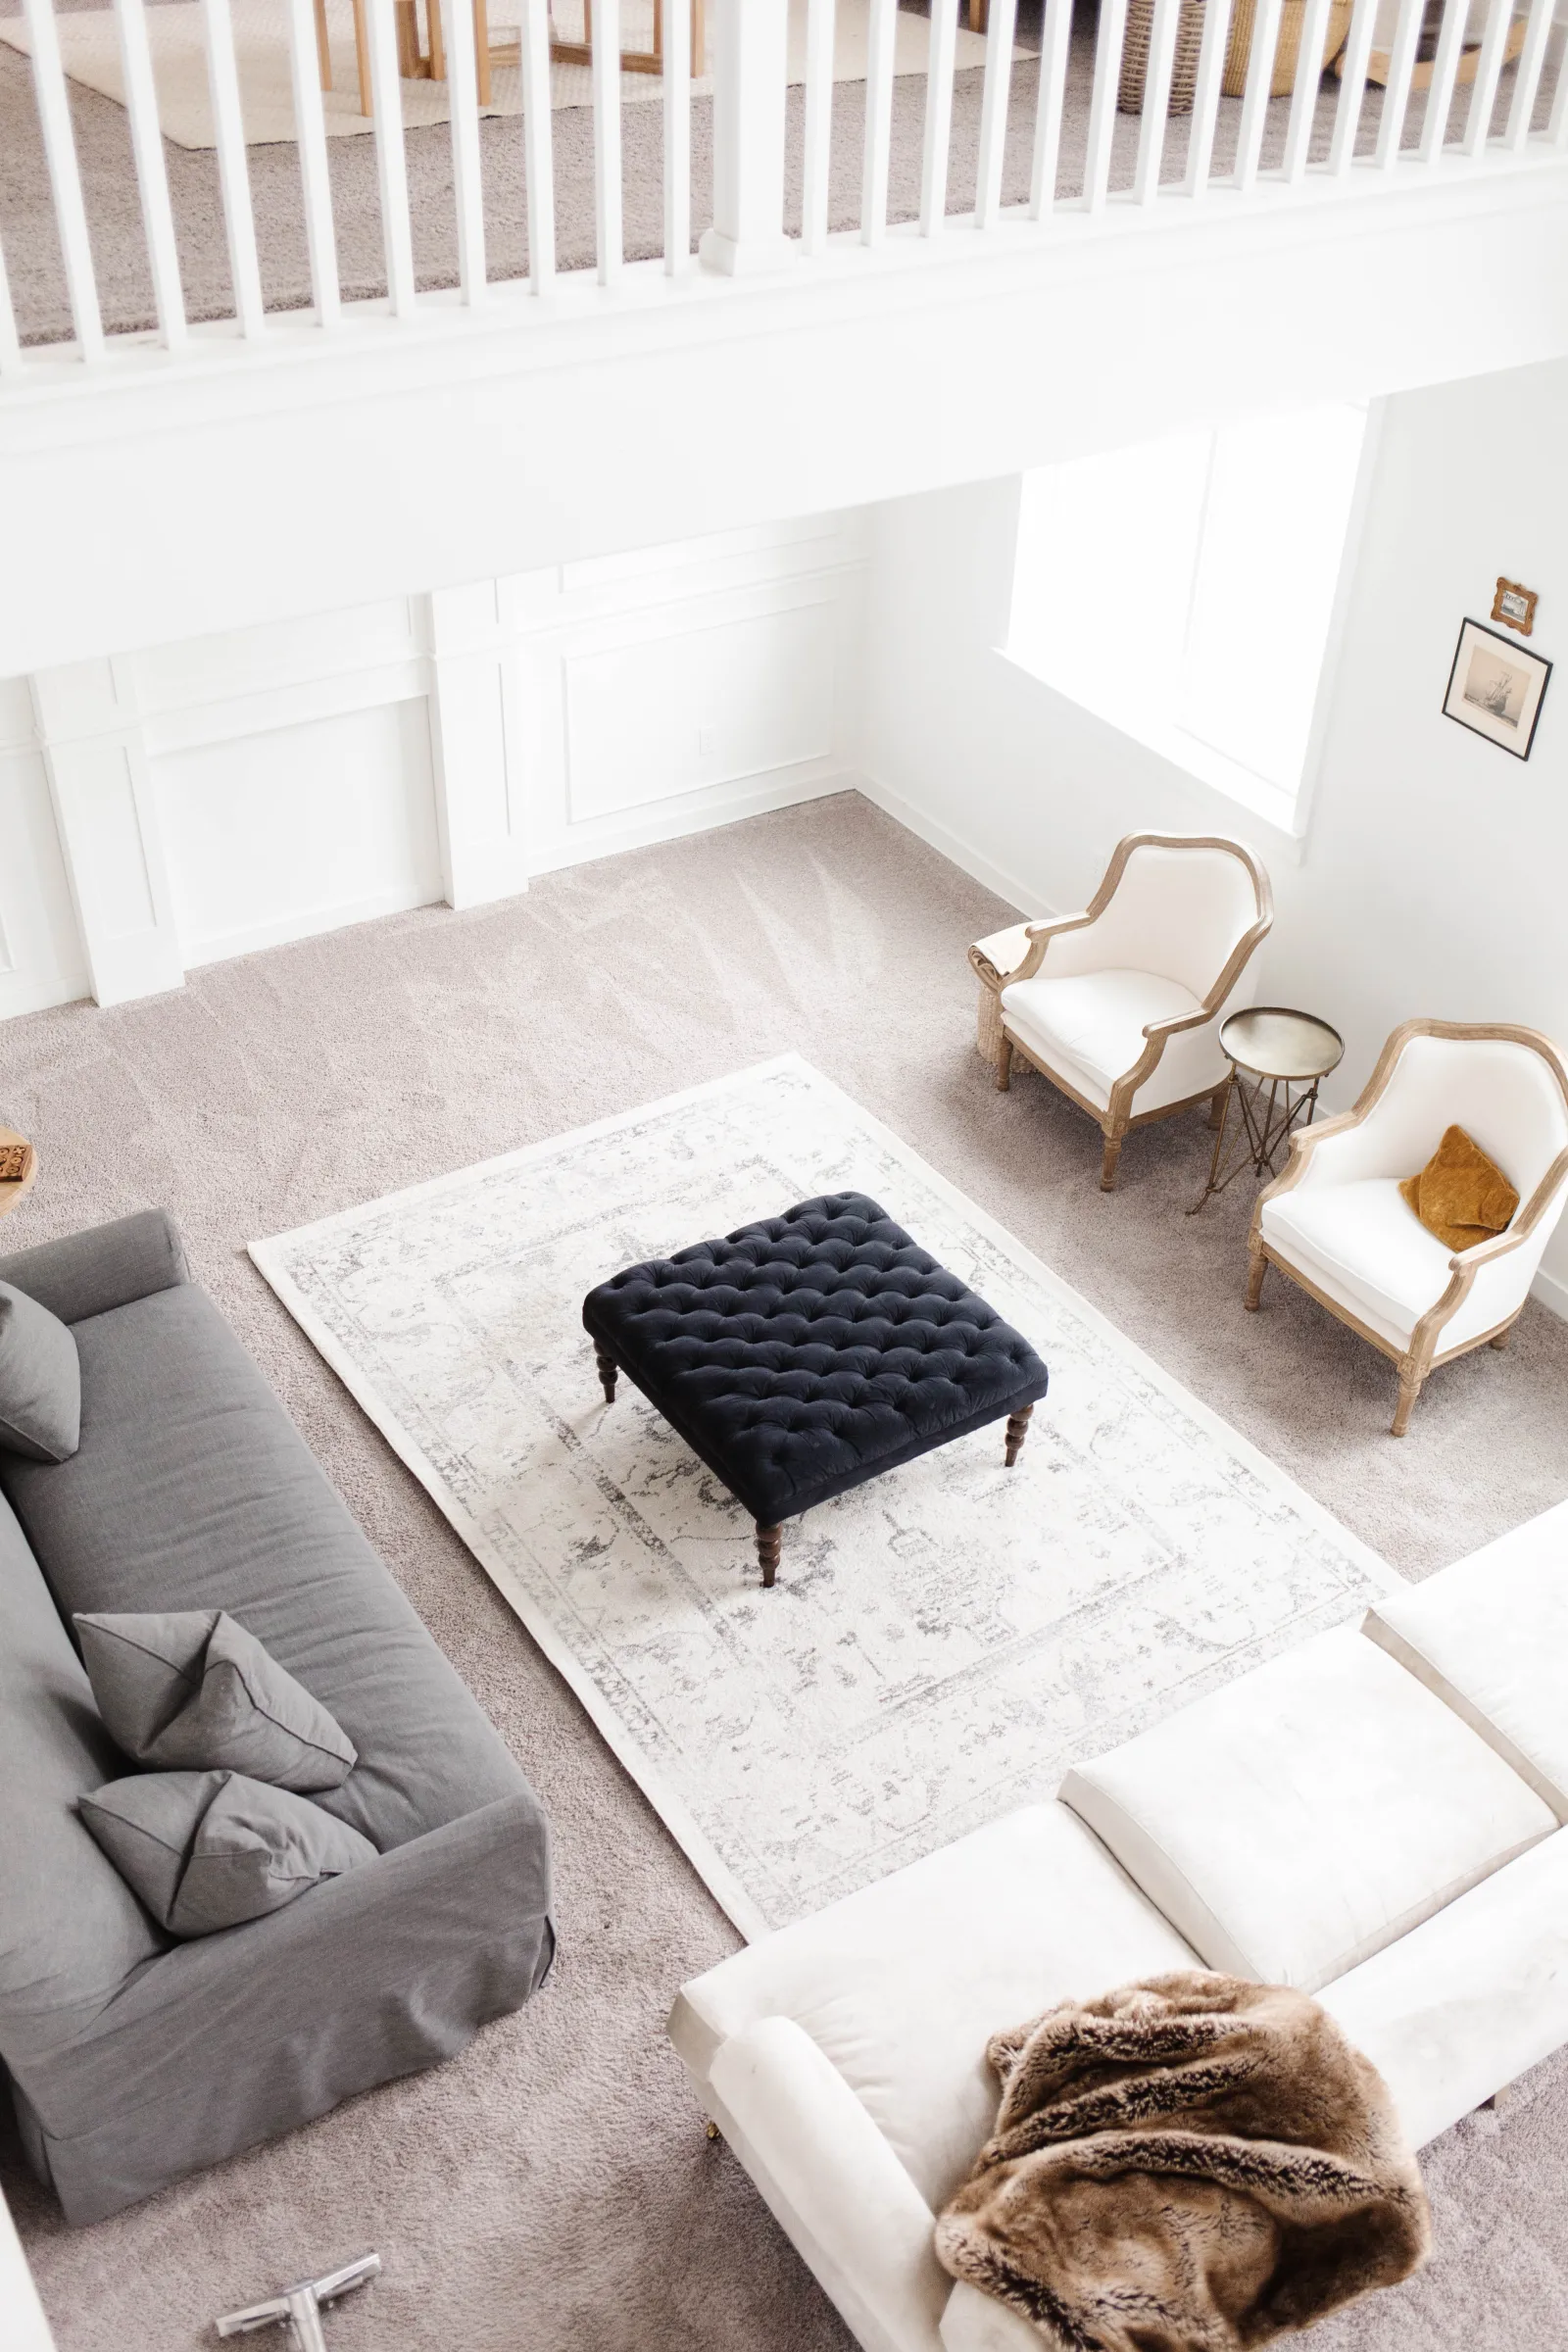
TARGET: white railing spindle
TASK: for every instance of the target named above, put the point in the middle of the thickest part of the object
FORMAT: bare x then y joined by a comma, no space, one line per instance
1352,87
316,182
1489,67
677,29
940,55
1308,84
1156,99
1445,73
1397,95
1055,43
152,177
233,172
65,180
1558,129
882,33
391,162
1206,96
1103,101
1000,17
817,157
10,360
1255,105
467,186
611,240
539,147
1532,64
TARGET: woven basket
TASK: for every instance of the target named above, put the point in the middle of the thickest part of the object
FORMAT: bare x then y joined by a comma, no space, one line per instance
1134,55
1292,20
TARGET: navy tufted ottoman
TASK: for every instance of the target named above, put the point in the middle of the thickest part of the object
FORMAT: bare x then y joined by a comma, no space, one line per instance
806,1354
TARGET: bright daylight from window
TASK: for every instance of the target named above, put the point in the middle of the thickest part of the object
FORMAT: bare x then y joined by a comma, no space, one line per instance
1183,590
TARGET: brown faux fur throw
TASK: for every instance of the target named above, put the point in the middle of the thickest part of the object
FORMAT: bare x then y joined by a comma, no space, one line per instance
1192,2164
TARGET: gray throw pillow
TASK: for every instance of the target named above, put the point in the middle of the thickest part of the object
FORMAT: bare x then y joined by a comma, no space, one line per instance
41,1380
211,1849
191,1688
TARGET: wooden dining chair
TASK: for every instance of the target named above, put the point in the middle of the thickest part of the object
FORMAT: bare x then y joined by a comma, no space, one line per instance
417,64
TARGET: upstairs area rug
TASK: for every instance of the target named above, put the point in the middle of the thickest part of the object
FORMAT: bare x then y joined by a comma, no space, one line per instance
943,1641
89,47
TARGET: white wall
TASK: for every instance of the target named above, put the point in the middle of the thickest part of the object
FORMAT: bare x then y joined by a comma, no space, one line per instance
1431,876
163,808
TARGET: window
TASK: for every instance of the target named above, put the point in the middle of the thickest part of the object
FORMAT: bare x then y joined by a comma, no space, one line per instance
1183,590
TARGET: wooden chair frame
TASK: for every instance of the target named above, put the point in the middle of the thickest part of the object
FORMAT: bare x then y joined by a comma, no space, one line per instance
1424,1352
1117,1119
418,65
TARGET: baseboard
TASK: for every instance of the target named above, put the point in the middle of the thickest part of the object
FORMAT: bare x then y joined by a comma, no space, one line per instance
1552,1292
221,947
1016,889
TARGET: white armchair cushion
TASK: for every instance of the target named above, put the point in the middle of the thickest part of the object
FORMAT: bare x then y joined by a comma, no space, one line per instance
1365,1246
1473,1997
901,1985
1293,1823
1091,1027
1490,1636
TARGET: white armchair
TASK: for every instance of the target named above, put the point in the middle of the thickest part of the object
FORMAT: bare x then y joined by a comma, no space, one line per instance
1335,1222
1120,1007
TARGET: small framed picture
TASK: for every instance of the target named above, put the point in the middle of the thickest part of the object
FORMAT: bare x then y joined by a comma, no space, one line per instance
1515,606
1495,687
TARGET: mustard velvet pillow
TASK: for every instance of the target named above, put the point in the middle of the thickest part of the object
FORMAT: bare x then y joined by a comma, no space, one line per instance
1460,1195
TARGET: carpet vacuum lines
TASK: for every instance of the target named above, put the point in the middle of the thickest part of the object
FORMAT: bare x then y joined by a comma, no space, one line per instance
945,1639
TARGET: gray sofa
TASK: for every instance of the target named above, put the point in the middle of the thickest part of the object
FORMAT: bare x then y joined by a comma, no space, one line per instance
132,2059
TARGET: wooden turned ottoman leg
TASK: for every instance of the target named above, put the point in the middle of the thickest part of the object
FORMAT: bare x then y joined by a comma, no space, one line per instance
769,1542
607,1371
1017,1431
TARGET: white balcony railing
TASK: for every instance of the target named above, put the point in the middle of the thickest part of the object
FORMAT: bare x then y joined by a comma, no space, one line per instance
493,162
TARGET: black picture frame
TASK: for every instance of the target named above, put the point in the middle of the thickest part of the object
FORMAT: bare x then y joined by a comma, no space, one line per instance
1489,717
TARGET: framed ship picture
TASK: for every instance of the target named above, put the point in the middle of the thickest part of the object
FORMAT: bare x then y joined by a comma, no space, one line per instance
1496,687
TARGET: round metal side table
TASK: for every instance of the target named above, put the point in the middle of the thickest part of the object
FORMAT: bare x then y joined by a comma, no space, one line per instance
1279,1058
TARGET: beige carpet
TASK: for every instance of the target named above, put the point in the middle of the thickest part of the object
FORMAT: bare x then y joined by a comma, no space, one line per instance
89,47
552,2190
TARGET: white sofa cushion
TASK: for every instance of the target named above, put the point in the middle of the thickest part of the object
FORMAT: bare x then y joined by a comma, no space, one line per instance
1472,1998
1490,1636
1090,1026
903,1984
1293,1823
1365,1245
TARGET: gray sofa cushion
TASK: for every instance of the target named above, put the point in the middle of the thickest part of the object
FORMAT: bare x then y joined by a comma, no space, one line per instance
72,1933
192,1490
41,1380
211,1849
190,1688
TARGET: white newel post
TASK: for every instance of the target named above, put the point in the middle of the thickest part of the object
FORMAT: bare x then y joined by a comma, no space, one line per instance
750,42
475,737
90,732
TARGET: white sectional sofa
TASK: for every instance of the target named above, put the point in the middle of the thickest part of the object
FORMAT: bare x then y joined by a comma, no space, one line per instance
1375,1817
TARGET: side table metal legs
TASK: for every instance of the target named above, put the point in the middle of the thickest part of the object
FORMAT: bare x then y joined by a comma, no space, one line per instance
1270,1110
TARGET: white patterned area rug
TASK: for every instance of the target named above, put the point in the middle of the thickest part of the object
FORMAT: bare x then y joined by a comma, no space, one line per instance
943,1641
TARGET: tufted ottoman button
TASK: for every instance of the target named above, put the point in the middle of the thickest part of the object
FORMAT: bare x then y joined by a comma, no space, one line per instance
806,1354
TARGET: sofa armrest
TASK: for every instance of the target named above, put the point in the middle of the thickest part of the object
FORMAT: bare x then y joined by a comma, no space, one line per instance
832,2180
236,2037
107,1266
977,2323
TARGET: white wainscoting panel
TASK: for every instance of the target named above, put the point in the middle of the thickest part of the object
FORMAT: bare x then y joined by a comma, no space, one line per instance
658,712
41,962
277,836
233,792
